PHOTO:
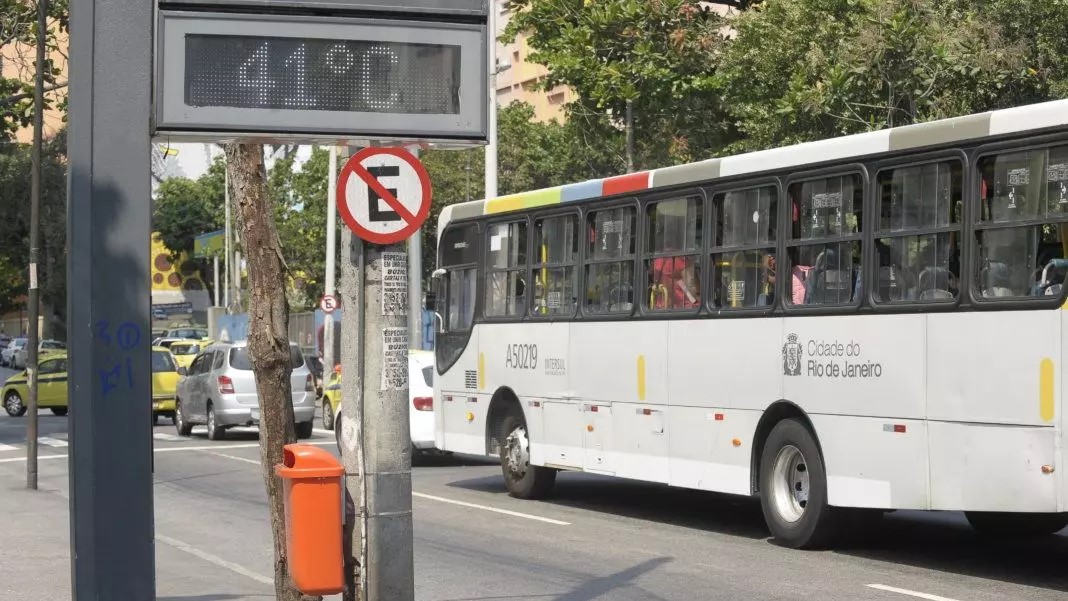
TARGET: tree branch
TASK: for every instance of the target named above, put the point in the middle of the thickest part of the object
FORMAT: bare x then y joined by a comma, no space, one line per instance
17,97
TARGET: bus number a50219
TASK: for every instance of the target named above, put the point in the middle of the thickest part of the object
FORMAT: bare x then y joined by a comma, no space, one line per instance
521,356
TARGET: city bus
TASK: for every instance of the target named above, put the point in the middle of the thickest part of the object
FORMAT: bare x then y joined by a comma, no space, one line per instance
843,327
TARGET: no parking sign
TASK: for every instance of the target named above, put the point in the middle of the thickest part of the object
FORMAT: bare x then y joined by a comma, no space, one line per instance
383,194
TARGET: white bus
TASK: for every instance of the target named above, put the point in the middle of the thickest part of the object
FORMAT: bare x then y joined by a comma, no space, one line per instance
868,322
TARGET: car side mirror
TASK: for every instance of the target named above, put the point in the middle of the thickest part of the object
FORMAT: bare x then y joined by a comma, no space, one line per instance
183,371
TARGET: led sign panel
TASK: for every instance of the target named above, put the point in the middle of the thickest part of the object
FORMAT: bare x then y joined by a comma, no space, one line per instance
319,77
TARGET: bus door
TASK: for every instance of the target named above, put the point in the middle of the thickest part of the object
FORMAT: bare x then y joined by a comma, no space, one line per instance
598,437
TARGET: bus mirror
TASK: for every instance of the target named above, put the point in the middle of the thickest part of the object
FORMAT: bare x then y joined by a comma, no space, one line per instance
438,273
441,322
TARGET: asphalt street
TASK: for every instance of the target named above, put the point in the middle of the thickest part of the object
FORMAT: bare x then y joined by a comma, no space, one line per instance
597,539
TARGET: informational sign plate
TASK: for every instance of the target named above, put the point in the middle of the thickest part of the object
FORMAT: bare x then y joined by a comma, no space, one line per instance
394,283
394,358
383,194
319,78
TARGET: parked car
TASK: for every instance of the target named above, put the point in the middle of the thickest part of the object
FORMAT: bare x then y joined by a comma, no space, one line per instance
4,340
51,387
20,358
164,383
8,352
315,365
420,401
218,390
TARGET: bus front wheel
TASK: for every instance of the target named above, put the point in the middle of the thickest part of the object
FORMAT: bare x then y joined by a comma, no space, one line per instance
793,488
523,480
1016,524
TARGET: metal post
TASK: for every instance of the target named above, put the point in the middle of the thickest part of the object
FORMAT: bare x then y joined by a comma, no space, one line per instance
376,441
415,286
215,273
331,254
630,136
35,242
108,231
228,259
491,147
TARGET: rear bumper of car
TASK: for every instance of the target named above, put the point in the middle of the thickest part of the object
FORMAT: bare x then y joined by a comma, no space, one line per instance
300,414
163,403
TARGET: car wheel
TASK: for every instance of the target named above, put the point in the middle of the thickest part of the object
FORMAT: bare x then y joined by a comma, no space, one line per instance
1016,524
183,428
60,411
304,429
523,480
215,431
328,415
13,404
793,488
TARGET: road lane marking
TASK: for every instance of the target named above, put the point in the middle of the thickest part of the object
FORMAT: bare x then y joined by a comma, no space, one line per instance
167,437
493,509
235,457
7,447
212,559
172,449
903,591
52,442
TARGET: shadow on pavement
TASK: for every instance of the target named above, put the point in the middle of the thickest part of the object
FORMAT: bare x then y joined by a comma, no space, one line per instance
726,514
945,542
599,588
450,460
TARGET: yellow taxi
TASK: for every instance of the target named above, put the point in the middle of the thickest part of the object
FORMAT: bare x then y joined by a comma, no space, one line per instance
51,386
185,351
164,383
332,398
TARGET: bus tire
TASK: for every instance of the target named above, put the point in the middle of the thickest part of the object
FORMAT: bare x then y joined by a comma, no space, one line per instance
995,524
524,481
793,488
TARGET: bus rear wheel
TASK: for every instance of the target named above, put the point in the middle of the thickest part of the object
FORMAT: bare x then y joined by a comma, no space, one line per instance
793,488
523,480
1016,524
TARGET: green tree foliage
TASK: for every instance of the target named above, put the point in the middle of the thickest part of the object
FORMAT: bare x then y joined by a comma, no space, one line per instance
185,208
660,55
15,168
18,34
300,202
801,70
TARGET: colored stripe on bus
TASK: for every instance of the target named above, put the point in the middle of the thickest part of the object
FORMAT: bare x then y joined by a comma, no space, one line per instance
626,183
582,191
526,200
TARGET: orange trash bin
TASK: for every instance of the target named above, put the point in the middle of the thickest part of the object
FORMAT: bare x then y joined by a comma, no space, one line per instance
311,480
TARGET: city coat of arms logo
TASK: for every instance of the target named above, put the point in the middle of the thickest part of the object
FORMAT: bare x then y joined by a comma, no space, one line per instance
791,356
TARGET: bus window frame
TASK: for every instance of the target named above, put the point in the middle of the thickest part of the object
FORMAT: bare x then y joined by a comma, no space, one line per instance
873,231
549,213
641,274
484,269
786,235
479,229
593,206
743,185
1039,142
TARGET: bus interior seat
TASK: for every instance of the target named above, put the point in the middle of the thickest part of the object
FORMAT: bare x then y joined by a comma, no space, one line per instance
997,280
1053,275
934,284
621,299
827,285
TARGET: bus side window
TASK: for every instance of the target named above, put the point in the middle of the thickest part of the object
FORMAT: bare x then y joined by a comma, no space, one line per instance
610,261
743,248
1023,260
824,249
506,269
673,237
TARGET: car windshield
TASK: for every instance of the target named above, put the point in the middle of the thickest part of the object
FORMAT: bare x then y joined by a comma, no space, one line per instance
162,361
20,343
239,358
185,349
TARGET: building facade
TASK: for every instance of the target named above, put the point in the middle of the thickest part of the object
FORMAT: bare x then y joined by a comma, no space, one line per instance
518,79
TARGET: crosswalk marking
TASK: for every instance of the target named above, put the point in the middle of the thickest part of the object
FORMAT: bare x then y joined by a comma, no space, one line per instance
7,447
52,442
167,437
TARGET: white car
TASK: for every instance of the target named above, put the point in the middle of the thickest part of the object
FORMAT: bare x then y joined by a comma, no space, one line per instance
7,356
20,357
421,399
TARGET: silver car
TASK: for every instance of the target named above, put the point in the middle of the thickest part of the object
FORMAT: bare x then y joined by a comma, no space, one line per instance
218,389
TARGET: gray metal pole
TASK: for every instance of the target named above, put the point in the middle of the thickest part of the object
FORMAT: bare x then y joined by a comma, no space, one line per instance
35,251
215,273
491,147
415,285
376,442
229,258
331,255
108,229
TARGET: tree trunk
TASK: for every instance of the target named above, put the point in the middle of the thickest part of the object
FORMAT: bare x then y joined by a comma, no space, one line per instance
268,336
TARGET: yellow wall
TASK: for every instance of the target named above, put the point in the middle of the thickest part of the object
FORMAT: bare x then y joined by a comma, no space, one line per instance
167,275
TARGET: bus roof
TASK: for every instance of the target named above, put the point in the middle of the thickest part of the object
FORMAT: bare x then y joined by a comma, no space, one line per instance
931,133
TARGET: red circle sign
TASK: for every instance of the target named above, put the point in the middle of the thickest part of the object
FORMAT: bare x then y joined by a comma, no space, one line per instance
383,194
329,303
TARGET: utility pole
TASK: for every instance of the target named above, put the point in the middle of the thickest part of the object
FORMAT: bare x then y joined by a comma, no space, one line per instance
35,242
331,254
491,147
228,259
630,136
375,436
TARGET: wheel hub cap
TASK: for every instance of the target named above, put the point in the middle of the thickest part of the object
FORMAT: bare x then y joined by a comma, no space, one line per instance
790,484
517,452
12,403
